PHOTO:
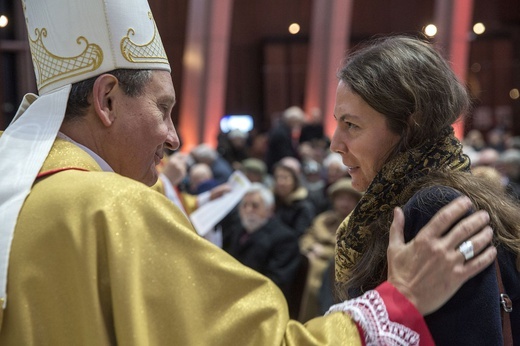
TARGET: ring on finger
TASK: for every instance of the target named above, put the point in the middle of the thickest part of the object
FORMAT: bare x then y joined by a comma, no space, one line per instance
466,249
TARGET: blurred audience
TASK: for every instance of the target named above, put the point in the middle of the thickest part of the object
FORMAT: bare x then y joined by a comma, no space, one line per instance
496,139
509,165
233,148
312,176
220,168
173,171
487,157
475,140
312,129
256,171
201,178
333,170
319,242
284,136
292,205
261,242
313,141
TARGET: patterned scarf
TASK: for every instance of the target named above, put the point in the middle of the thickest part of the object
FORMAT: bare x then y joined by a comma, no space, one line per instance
390,188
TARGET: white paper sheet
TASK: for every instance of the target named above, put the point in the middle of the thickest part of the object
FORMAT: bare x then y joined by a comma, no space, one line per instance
208,215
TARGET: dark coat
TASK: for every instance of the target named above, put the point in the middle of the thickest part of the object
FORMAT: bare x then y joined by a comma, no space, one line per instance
296,212
279,145
221,170
472,315
272,251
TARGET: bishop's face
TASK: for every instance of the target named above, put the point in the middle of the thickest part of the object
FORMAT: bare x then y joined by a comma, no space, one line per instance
143,127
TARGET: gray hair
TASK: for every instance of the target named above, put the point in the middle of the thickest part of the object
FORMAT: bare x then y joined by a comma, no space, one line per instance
294,115
265,193
410,83
132,83
334,159
204,152
201,170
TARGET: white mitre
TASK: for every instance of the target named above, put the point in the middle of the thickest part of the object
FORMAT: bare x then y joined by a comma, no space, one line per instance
70,40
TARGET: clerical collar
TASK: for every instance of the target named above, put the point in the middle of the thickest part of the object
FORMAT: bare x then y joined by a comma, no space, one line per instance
102,163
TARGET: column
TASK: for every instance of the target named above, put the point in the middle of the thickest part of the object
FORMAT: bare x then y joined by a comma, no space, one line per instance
453,20
205,71
330,34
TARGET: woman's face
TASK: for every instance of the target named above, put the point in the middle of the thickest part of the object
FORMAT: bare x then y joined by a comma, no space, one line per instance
344,202
362,137
284,182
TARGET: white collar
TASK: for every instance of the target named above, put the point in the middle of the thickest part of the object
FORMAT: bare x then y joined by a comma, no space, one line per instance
102,163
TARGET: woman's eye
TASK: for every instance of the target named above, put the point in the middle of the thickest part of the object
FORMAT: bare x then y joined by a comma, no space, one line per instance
350,125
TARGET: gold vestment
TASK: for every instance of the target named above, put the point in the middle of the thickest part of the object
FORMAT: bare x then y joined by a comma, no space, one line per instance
100,259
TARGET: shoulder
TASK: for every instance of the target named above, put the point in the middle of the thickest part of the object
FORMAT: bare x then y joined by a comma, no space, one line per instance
432,197
104,183
105,204
423,205
97,191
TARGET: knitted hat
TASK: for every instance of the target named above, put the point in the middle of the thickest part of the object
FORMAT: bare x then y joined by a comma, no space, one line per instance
254,165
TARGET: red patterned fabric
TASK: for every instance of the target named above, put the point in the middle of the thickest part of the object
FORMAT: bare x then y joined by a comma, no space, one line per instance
385,317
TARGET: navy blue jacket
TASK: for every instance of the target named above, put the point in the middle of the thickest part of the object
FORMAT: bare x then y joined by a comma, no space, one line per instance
472,315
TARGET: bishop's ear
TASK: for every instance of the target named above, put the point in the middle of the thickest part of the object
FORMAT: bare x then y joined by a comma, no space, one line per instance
105,89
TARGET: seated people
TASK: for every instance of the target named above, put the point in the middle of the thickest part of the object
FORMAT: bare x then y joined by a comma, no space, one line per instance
261,242
220,168
200,178
333,170
293,207
233,147
319,242
172,172
256,171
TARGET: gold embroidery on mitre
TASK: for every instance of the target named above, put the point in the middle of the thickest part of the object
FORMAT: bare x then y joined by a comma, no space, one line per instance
152,51
51,68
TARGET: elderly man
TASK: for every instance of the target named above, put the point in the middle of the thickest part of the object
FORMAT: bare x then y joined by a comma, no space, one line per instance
262,242
90,255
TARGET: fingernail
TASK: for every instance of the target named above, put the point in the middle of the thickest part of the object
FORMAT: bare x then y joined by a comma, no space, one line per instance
485,215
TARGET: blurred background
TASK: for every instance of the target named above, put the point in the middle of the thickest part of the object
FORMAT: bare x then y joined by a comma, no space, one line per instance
255,58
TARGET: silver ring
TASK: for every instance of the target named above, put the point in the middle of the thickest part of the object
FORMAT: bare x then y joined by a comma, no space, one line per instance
466,249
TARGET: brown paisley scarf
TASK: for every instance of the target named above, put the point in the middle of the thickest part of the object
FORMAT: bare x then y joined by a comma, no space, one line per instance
390,188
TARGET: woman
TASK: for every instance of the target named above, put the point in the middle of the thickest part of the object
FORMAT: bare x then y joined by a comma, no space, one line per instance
395,101
293,207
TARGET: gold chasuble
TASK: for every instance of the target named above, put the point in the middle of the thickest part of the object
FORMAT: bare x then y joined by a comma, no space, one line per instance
99,259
